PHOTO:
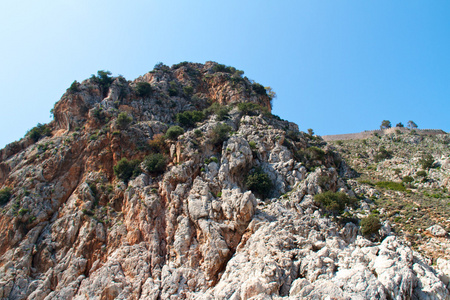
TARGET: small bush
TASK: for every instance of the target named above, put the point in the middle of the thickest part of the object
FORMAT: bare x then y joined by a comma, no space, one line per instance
38,132
158,143
189,118
173,88
173,132
188,91
5,195
217,109
259,89
220,133
198,133
144,89
370,225
74,87
252,145
126,170
334,203
382,154
155,163
123,120
103,79
421,173
249,108
426,161
395,186
407,179
259,182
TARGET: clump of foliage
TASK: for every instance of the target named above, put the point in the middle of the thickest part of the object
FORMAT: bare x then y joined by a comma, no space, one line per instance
382,154
259,182
39,131
211,159
370,224
407,180
143,89
173,132
227,69
426,161
104,80
158,143
160,67
188,91
390,185
250,108
421,173
74,87
311,157
98,114
217,109
173,88
220,133
334,202
385,124
123,120
189,118
127,169
259,89
5,195
155,163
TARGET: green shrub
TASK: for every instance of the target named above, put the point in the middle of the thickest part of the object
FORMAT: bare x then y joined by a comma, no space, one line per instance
189,118
426,161
421,173
39,131
227,69
104,80
390,185
382,154
407,179
334,203
126,170
5,195
370,224
220,133
155,163
211,159
143,89
123,120
173,88
198,133
188,91
217,109
173,132
250,108
259,182
252,145
74,87
259,89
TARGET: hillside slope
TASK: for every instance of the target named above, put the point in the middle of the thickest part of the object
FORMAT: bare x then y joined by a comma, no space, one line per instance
182,185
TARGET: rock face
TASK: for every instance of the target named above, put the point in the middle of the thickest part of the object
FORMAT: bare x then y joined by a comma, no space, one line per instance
75,227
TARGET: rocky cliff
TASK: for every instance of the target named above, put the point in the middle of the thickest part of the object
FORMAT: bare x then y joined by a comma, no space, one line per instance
182,185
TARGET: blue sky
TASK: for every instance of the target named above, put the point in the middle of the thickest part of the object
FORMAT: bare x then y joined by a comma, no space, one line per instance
336,66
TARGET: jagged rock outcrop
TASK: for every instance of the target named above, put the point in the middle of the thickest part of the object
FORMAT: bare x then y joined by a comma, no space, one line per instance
75,227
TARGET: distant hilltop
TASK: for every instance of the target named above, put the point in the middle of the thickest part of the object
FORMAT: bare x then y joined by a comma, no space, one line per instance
369,133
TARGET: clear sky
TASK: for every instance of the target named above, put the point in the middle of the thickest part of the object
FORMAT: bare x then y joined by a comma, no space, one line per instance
336,66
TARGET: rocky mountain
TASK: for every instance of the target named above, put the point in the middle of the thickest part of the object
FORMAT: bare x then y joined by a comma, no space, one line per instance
181,184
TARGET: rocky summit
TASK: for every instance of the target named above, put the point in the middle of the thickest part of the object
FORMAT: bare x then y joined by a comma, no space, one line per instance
181,184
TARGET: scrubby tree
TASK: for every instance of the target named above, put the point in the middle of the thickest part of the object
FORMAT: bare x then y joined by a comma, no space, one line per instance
173,132
399,125
155,163
219,133
259,182
334,203
426,161
370,225
385,124
123,120
412,125
143,89
310,131
5,195
127,169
